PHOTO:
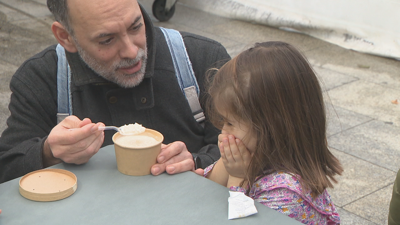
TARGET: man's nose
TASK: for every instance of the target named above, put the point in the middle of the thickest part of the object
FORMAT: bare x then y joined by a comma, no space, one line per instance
128,49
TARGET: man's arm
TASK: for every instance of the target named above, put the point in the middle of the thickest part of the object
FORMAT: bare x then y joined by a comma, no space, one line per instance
33,139
31,105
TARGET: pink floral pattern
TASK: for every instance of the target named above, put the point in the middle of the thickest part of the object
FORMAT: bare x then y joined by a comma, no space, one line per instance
283,192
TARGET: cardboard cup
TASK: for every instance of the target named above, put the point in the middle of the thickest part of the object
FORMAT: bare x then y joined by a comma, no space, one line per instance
137,160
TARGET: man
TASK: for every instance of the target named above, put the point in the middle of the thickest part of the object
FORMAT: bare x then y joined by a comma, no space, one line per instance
122,73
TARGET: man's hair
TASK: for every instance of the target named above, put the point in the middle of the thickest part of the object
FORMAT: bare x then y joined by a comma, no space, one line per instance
272,89
59,9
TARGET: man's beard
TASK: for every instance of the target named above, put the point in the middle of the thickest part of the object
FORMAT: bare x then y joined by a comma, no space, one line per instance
112,74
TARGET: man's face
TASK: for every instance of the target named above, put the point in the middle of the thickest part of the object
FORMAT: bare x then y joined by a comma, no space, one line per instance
110,37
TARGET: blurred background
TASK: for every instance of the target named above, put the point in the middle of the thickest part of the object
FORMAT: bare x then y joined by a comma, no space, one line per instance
366,26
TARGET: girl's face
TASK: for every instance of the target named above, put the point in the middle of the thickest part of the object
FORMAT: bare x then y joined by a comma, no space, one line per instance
241,131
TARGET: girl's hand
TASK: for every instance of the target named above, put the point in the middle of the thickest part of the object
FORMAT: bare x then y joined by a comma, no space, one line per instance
235,156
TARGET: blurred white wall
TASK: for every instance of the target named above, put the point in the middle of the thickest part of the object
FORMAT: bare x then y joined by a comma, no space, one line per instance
370,26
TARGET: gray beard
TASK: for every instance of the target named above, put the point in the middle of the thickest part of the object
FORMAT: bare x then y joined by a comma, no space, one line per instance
112,74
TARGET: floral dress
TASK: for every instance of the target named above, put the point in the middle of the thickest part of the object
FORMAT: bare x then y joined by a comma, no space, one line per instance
283,192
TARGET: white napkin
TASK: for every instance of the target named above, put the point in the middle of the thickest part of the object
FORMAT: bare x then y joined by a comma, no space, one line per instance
240,205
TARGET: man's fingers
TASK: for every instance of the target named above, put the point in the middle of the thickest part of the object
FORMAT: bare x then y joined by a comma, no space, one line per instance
71,122
199,172
180,163
163,146
84,122
185,165
76,146
157,169
84,155
77,142
170,151
171,154
179,167
173,158
67,136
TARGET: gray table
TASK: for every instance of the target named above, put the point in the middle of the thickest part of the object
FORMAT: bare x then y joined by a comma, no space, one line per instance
106,196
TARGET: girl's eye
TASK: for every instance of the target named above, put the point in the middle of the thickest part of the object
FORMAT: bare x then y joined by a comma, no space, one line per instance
106,42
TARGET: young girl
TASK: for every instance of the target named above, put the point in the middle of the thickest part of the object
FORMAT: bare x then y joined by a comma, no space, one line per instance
268,103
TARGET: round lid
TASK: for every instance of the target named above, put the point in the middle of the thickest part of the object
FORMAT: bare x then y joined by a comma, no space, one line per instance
48,185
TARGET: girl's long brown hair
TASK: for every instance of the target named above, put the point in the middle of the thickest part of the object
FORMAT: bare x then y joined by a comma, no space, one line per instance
272,87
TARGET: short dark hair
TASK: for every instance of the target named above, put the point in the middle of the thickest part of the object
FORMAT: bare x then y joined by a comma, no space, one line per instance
59,9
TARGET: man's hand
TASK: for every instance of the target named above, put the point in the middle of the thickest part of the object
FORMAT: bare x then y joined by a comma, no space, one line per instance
174,158
72,146
199,171
234,154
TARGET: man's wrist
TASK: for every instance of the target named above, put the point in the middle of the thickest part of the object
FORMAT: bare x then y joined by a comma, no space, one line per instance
47,156
197,161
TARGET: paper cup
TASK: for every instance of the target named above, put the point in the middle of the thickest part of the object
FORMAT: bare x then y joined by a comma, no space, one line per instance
137,153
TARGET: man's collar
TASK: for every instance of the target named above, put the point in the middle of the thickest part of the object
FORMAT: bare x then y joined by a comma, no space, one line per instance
82,74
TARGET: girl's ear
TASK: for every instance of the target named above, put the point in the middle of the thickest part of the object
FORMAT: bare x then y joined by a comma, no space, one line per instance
63,37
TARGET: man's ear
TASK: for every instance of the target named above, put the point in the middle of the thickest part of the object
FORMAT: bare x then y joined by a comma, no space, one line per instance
63,37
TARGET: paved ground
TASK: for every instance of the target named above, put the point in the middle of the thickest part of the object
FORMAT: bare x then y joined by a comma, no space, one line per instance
364,126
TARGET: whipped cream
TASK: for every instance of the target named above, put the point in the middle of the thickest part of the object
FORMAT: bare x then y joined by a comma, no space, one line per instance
131,129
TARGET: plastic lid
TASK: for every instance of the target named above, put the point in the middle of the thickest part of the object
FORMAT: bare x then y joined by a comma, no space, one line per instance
48,185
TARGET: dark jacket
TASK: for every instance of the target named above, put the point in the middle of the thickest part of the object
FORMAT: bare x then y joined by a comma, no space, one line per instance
156,103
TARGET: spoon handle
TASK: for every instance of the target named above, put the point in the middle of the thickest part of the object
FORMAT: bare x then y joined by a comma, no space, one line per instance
109,128
103,128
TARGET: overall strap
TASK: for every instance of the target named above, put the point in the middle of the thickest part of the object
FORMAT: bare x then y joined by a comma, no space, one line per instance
63,85
184,71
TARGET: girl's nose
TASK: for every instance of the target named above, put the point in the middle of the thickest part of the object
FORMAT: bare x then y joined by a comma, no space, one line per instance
223,131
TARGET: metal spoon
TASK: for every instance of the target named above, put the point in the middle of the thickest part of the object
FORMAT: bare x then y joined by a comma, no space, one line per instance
106,128
112,128
121,131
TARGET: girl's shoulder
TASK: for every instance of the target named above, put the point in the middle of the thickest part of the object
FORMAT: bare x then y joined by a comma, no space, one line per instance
278,180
